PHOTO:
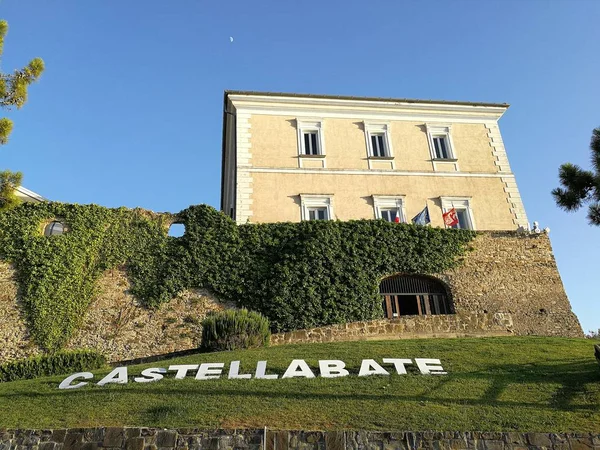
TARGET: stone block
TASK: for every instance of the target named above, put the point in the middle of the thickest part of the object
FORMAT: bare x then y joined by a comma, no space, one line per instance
166,438
59,436
581,443
73,441
114,437
539,440
44,446
93,435
89,446
335,440
132,433
135,443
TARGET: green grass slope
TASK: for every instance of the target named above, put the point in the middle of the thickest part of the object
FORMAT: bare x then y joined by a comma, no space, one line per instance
493,384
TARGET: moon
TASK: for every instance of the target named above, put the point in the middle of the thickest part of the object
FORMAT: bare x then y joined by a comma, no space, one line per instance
230,39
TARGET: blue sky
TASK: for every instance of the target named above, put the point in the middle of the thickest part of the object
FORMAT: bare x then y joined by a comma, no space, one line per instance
129,109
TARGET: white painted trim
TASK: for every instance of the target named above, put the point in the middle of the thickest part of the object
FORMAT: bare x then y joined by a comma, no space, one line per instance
308,201
443,130
390,202
30,194
463,203
513,196
370,115
244,190
267,102
379,128
376,172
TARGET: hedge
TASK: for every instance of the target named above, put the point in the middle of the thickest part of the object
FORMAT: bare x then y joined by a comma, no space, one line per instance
298,275
60,363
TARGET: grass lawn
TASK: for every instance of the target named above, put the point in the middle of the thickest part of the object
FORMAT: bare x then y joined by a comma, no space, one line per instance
493,384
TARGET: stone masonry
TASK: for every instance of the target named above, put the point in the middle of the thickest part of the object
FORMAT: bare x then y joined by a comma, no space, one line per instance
115,323
514,273
191,439
408,327
508,283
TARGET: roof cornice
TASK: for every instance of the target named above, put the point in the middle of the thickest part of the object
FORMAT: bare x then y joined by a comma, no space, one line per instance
260,101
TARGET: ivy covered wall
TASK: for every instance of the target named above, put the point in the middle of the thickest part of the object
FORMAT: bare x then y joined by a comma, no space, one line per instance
300,275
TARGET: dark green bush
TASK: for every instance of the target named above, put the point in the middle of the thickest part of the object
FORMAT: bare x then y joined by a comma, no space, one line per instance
298,275
60,363
234,329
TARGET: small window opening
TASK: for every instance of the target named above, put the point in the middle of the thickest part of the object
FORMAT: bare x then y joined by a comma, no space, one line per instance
55,228
176,230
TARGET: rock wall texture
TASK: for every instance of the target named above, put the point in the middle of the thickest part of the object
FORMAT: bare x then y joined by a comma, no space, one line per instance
514,273
191,439
115,323
508,283
408,327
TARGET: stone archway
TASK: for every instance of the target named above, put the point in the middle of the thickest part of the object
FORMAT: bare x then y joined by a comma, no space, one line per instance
412,295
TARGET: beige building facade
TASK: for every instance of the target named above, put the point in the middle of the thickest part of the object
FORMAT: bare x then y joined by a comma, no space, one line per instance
292,157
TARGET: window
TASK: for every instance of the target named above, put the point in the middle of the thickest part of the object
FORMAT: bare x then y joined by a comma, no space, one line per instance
311,143
378,145
310,138
440,147
413,295
317,214
440,143
316,207
55,228
390,208
464,214
390,215
378,140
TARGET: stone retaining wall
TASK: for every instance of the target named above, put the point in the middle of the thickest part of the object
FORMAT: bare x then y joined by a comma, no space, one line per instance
507,276
409,327
515,273
155,439
115,323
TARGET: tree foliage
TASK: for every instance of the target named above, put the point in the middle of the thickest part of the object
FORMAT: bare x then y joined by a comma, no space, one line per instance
13,87
9,182
13,94
579,186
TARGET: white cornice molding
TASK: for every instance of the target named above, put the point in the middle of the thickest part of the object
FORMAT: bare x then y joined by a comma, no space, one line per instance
391,173
24,192
368,109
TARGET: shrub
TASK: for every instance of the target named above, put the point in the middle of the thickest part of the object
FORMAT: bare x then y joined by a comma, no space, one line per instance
60,363
234,329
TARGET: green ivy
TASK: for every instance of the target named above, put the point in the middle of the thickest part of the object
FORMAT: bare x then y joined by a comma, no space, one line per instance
298,275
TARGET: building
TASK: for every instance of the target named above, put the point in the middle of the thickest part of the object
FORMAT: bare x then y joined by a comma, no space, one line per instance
26,195
292,157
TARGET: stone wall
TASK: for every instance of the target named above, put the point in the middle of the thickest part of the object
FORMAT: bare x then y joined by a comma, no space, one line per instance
508,282
408,327
115,323
154,439
514,273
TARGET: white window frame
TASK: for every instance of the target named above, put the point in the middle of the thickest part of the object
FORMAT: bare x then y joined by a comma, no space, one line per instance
374,129
308,201
459,203
390,202
441,131
307,126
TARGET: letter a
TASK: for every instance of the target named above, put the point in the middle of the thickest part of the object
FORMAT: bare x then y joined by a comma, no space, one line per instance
370,367
298,368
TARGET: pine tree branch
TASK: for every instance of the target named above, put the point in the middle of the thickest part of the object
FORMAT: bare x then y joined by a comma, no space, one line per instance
594,214
595,148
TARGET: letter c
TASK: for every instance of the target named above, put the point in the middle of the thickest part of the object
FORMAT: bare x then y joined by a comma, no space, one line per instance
66,384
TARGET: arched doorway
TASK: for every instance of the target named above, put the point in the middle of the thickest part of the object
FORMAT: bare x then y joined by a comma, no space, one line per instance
413,295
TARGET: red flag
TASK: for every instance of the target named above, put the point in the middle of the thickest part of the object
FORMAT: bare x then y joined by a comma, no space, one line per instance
450,218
